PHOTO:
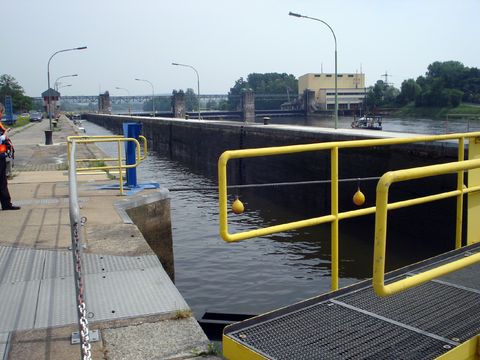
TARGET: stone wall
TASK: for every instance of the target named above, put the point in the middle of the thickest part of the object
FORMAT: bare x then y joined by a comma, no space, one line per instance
104,106
178,105
248,106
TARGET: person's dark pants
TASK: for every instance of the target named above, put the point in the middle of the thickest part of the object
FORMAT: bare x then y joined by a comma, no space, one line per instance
5,199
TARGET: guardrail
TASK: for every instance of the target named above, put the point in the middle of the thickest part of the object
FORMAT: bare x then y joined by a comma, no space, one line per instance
335,215
382,207
140,154
75,222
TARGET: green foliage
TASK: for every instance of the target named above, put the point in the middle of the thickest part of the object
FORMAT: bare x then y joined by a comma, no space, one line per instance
182,314
21,121
268,83
191,100
381,94
162,103
448,83
223,105
10,86
444,86
211,105
435,112
211,350
409,90
455,97
235,93
467,108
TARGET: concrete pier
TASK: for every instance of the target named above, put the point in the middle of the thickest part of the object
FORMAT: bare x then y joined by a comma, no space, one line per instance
131,301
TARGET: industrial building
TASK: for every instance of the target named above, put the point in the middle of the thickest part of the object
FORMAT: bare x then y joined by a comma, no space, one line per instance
350,87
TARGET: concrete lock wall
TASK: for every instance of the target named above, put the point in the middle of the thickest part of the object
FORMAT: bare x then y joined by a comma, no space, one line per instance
199,145
153,221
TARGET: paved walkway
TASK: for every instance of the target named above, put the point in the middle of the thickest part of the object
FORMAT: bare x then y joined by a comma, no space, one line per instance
130,299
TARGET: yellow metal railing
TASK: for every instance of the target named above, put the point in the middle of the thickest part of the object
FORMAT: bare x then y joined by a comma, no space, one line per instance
119,165
382,207
335,215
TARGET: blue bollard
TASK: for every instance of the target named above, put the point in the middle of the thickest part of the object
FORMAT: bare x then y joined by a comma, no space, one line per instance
131,130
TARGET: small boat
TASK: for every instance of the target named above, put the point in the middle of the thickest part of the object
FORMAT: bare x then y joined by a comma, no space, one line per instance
371,122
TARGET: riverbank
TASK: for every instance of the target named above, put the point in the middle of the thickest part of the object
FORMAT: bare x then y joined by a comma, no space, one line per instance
131,302
471,111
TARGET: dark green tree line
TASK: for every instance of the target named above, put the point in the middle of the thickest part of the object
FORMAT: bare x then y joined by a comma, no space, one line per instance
162,103
381,94
10,86
268,83
445,84
448,84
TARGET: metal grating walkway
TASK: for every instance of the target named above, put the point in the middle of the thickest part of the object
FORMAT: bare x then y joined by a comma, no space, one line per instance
354,323
37,288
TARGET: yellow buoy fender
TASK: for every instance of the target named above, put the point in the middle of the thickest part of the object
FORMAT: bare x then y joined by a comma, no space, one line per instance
237,206
359,198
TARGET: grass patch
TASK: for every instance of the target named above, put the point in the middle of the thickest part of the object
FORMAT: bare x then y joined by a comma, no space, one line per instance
85,164
212,349
410,110
96,163
62,167
182,314
21,121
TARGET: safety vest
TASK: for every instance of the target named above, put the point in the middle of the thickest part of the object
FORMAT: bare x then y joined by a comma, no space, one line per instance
3,146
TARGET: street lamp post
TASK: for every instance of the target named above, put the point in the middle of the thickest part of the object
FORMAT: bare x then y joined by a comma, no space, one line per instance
128,92
55,84
336,76
48,140
198,85
153,94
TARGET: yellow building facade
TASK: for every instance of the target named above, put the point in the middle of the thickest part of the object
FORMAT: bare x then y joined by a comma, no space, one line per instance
350,87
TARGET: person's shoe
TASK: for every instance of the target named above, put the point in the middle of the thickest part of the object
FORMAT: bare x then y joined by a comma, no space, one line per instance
13,207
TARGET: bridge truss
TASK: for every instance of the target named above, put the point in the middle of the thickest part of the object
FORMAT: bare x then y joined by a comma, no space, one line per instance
88,99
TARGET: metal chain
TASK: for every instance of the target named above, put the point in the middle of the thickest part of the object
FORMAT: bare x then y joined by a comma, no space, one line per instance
80,290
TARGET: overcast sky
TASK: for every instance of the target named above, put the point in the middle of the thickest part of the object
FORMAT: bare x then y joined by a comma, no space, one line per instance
225,40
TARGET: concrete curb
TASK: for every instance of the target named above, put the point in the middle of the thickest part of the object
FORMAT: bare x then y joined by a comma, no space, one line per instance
123,205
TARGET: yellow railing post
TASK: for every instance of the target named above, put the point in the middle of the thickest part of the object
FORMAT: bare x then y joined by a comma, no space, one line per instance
473,200
334,212
222,194
145,147
380,231
460,183
120,170
381,225
119,159
334,217
68,153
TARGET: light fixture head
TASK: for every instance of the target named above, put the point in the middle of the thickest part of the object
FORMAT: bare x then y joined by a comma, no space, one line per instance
294,14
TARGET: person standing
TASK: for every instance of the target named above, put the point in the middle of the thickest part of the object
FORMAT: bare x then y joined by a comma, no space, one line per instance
5,199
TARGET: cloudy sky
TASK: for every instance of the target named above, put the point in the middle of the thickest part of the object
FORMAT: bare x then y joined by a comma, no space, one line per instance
225,40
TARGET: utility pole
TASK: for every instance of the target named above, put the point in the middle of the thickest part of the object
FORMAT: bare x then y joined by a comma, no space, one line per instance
386,75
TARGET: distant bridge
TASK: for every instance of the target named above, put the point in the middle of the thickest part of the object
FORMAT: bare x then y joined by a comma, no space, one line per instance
88,99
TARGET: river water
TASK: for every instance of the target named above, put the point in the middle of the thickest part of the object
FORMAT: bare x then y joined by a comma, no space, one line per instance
265,273
409,125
